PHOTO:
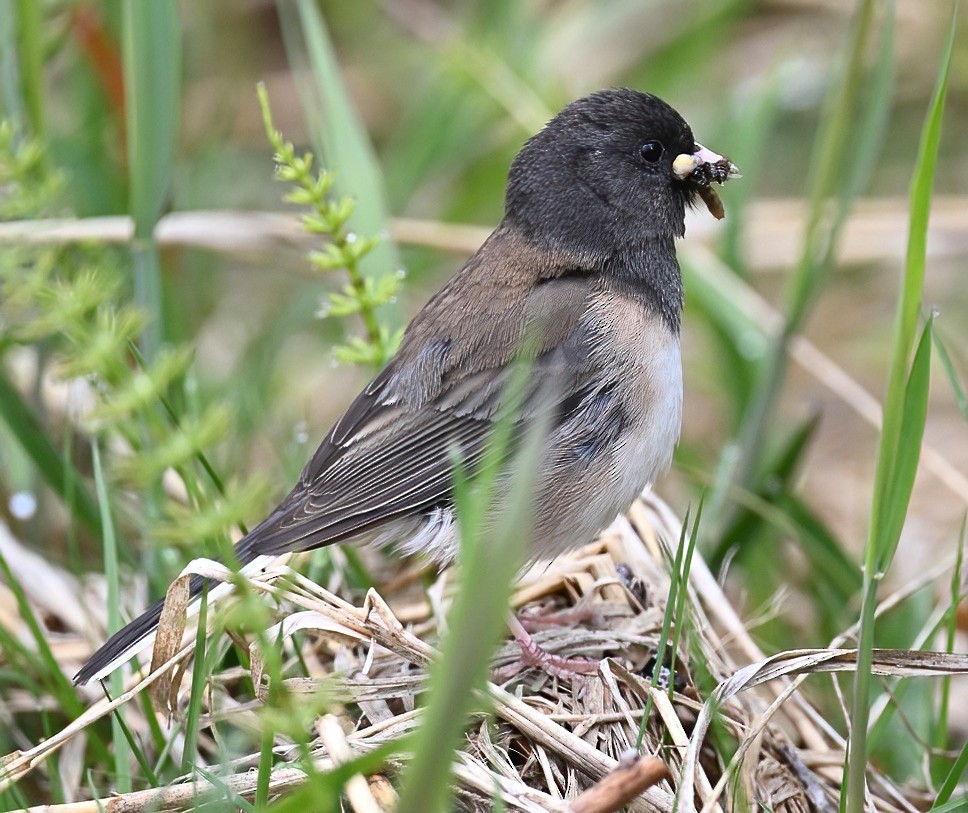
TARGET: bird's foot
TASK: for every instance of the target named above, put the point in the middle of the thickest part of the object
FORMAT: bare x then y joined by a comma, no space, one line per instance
532,655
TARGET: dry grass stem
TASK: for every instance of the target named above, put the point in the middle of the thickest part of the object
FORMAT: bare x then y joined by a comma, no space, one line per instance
876,230
556,745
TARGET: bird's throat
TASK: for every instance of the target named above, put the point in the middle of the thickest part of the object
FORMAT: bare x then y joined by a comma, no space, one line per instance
650,275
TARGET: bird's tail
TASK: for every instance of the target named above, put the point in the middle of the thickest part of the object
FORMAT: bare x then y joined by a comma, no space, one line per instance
139,635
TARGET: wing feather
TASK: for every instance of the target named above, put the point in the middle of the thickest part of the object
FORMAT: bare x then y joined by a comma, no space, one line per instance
392,452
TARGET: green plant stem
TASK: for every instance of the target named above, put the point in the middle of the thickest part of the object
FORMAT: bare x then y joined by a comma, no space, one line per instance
122,752
337,130
329,217
494,532
152,68
905,407
832,176
31,52
939,736
367,314
857,743
147,293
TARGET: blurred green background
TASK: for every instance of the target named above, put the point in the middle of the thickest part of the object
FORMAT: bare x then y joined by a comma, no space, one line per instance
445,94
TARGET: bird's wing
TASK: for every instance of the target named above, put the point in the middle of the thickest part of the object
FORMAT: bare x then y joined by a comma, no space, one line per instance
392,453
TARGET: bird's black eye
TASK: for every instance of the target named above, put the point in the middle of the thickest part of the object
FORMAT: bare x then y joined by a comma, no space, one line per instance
651,151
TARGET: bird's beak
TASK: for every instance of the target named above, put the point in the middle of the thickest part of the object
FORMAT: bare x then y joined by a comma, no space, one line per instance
701,168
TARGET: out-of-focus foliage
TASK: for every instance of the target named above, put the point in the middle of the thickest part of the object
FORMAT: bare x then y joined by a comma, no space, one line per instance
242,379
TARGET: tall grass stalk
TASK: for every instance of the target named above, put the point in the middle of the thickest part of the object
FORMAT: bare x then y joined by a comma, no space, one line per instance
845,147
109,541
957,388
951,783
328,215
672,627
30,50
151,49
494,518
57,470
905,408
939,734
338,134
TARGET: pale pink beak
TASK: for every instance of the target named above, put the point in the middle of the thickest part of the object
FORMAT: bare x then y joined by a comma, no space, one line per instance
720,169
702,168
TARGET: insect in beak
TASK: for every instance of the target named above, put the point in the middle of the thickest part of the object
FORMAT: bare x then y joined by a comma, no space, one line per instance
702,168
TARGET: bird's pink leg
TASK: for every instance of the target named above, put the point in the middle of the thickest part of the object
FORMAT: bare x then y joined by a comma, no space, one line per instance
534,655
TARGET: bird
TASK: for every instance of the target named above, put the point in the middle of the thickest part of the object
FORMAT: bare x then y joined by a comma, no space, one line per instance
581,277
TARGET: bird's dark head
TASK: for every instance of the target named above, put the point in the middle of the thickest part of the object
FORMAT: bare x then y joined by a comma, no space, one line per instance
610,171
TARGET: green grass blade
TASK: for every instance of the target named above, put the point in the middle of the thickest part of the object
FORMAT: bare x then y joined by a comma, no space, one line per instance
152,71
58,472
222,796
11,101
31,63
264,770
830,563
828,166
684,548
151,49
941,351
499,80
199,678
122,752
491,553
940,728
748,138
146,272
951,784
902,431
906,319
684,560
40,659
961,803
338,133
913,413
323,792
40,672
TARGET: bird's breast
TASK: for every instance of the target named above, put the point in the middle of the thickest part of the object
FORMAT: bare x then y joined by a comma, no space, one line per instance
655,390
624,439
649,369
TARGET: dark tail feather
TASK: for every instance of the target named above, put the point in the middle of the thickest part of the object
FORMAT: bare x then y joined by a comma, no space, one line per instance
124,644
129,636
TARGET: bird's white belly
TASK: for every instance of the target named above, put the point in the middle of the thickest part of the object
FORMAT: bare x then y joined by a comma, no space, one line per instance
644,452
648,450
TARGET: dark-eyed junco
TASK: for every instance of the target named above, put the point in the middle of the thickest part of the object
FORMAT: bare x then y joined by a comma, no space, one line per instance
583,266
